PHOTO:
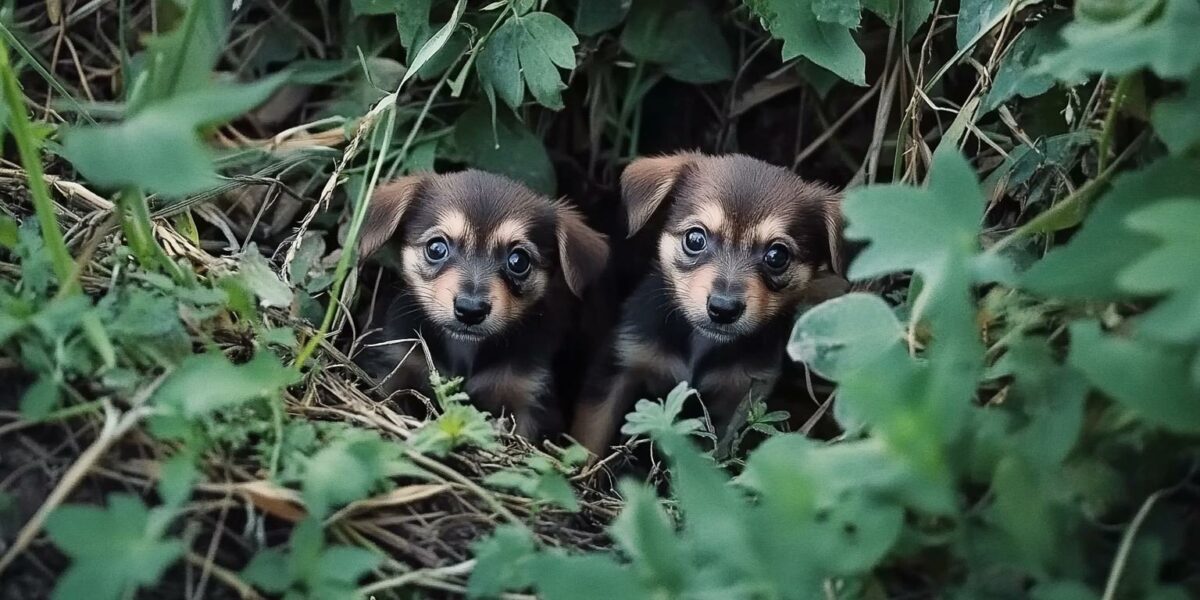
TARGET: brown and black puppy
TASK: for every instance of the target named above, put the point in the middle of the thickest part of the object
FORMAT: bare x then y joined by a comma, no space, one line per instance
490,274
736,241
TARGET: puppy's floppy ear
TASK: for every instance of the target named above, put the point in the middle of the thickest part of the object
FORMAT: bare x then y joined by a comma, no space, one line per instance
834,224
582,250
646,182
387,208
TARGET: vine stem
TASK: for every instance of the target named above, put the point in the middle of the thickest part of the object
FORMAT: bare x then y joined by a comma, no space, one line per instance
1120,93
28,148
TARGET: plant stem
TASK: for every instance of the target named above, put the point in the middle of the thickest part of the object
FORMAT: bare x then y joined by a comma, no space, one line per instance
28,147
139,232
1120,93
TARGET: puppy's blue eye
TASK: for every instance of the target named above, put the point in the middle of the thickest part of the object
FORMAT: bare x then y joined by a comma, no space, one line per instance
519,263
694,241
777,257
436,250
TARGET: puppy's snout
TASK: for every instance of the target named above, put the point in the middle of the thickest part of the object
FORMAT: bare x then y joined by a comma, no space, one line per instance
471,310
725,309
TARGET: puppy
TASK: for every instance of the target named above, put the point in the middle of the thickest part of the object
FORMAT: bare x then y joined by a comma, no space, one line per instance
735,243
490,273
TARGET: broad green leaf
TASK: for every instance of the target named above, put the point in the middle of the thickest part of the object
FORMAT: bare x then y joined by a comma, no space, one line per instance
412,16
597,16
1171,269
647,535
159,148
1163,44
1174,118
176,478
345,565
528,50
1018,75
1086,267
1050,399
828,45
182,60
39,399
973,16
681,36
502,562
820,79
842,335
259,277
514,151
268,571
1023,510
1151,380
343,472
840,12
659,418
207,382
558,576
113,550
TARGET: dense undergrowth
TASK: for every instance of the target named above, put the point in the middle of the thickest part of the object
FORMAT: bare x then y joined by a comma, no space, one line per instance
1016,413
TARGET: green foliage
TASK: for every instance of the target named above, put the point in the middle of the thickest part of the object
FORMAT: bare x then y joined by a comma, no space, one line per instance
113,551
539,479
654,418
680,36
309,568
525,51
828,44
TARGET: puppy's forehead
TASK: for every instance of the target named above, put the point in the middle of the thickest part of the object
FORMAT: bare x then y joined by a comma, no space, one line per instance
484,207
744,190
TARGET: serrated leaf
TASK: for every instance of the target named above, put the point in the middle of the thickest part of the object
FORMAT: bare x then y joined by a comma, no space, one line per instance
159,148
1086,267
656,419
501,562
1163,44
828,45
1150,379
524,51
514,151
681,36
206,382
842,335
460,425
1171,269
113,550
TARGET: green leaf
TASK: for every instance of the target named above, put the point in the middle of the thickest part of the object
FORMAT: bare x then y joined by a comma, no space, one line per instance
183,59
378,7
1172,269
647,535
259,277
828,45
514,151
973,16
1150,379
658,418
915,13
113,551
528,48
842,335
159,148
1174,118
558,576
597,16
1024,512
681,36
8,232
39,399
341,473
176,479
1162,44
501,562
207,382
412,16
434,45
839,12
268,571
1018,75
1050,398
1086,267
460,425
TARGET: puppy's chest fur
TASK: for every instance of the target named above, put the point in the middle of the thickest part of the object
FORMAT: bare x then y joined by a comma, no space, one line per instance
657,341
508,372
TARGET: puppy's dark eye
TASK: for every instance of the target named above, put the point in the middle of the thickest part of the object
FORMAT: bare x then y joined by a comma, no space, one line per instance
694,241
436,250
518,263
777,257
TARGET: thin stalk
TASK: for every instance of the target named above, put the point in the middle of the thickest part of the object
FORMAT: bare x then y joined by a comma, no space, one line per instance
1120,93
28,148
139,232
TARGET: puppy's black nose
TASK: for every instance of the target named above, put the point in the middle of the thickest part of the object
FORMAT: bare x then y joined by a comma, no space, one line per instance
471,310
724,309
